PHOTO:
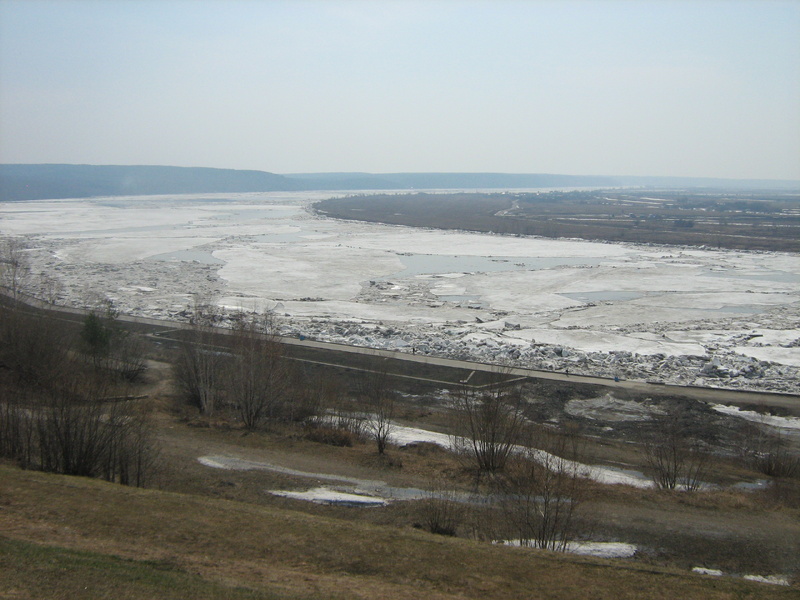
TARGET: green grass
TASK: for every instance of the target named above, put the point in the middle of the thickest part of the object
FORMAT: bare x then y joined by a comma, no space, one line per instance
33,570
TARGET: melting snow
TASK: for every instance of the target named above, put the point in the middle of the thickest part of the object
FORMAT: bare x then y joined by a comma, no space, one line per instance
608,475
599,549
750,415
771,579
704,571
609,408
324,495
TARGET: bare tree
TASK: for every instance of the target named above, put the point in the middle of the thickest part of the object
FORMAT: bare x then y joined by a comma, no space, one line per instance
56,411
540,491
198,366
111,347
676,458
14,265
258,374
34,350
49,288
488,423
379,399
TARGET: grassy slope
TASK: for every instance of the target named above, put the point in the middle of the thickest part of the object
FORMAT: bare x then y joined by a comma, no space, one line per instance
77,538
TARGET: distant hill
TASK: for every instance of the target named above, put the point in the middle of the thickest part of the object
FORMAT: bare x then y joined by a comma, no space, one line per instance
438,181
33,182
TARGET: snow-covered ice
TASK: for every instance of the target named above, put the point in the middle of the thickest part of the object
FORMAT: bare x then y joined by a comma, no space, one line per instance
693,316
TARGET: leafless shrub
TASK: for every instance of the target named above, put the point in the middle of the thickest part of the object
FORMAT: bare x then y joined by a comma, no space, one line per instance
14,265
379,400
33,350
351,425
309,396
488,423
111,347
71,428
333,436
198,366
17,427
768,451
541,490
442,513
676,459
258,377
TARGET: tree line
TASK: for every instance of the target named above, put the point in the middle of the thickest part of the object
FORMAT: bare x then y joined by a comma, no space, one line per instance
65,405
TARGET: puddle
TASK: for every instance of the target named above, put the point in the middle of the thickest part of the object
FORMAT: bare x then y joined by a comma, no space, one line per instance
361,490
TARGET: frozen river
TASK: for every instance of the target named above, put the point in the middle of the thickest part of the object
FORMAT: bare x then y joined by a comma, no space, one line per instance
723,318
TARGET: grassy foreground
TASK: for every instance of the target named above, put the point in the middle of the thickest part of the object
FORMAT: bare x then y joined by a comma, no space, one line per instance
64,537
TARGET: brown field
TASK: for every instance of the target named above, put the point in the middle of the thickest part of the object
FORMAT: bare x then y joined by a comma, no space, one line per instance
719,219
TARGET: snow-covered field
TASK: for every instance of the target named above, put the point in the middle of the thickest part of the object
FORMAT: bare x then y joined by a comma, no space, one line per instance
684,315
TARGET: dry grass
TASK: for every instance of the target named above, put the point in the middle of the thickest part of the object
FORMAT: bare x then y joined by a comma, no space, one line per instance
144,542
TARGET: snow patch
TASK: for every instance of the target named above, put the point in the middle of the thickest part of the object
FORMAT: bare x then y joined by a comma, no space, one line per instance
599,549
704,571
751,415
771,579
610,409
325,495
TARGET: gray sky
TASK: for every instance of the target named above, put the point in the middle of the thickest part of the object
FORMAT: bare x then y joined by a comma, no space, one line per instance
684,88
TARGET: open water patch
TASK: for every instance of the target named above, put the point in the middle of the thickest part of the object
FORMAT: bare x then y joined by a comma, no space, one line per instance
764,275
432,264
604,296
199,256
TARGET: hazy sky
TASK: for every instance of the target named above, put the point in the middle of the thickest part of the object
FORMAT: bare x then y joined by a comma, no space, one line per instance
636,87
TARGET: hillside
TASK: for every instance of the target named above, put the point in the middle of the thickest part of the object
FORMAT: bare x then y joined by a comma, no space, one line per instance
226,512
78,538
34,182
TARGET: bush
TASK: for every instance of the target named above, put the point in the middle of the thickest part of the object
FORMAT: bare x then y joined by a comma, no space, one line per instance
333,436
442,513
